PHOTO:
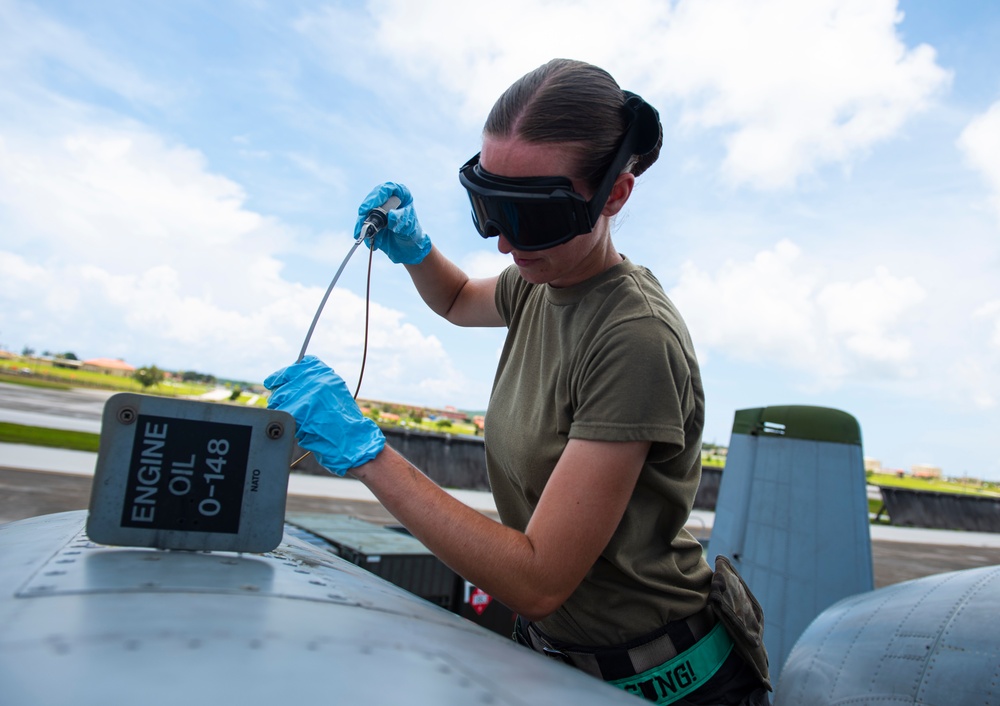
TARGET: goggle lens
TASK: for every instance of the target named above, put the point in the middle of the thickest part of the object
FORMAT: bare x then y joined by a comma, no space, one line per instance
534,225
533,213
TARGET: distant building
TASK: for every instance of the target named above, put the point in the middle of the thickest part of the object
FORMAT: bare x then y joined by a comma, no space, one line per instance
109,366
447,413
873,465
922,470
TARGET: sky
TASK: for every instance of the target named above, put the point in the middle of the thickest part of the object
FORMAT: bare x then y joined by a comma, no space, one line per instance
179,182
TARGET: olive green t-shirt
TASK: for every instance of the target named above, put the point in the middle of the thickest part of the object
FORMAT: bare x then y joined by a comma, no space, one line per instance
609,359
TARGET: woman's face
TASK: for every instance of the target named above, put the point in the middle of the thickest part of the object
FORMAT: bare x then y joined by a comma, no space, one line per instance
563,265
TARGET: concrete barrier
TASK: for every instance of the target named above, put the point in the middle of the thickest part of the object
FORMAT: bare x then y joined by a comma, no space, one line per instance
450,460
708,490
459,461
934,510
455,461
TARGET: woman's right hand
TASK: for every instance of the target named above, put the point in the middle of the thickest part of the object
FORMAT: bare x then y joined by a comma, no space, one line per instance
403,240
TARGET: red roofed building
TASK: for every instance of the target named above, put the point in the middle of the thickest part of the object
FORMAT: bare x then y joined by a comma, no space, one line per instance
109,366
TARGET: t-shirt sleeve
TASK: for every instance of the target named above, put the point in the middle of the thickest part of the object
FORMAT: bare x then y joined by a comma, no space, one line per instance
635,386
506,292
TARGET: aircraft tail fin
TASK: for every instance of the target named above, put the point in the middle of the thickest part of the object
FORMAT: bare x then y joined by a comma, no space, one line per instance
792,515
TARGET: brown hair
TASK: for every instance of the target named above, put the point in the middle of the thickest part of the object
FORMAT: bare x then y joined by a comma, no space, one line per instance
572,102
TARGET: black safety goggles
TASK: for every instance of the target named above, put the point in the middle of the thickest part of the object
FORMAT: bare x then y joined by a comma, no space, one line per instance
536,213
533,213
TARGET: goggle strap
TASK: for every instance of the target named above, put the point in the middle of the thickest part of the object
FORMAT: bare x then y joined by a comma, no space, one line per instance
640,137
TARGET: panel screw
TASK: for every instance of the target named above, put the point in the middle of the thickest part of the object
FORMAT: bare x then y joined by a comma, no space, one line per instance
126,415
275,430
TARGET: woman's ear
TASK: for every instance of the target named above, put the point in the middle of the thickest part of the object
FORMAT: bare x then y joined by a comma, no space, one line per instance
619,194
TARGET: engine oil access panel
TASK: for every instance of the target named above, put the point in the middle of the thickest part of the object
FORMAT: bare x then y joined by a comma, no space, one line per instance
184,474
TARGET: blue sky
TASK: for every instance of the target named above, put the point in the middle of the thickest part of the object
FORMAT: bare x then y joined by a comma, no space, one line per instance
179,181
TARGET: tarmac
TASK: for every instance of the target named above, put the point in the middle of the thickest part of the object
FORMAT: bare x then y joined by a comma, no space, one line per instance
37,481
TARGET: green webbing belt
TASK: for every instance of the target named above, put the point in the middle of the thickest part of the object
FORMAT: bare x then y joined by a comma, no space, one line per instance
683,674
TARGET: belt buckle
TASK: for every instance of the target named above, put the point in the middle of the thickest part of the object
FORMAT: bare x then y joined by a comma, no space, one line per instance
553,653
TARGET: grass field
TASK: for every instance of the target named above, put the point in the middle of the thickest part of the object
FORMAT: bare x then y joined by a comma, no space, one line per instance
53,438
46,375
39,374
940,486
7,375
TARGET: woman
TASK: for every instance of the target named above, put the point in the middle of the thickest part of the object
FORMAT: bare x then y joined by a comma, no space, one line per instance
593,431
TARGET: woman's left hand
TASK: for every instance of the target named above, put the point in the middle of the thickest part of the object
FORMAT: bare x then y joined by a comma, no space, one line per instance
328,422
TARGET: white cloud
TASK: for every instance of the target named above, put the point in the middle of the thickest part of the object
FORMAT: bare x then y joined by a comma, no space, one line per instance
976,382
125,199
780,308
18,274
137,246
980,143
974,373
794,85
791,85
862,314
990,312
760,308
459,55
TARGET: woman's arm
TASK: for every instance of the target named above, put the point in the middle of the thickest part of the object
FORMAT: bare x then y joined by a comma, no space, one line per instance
532,572
445,288
535,571
450,293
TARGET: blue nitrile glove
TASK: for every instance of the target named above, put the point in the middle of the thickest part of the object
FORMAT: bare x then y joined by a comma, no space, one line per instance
327,419
403,240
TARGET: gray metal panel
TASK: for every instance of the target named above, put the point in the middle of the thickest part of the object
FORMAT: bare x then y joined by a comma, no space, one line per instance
363,537
733,505
297,625
395,556
928,641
